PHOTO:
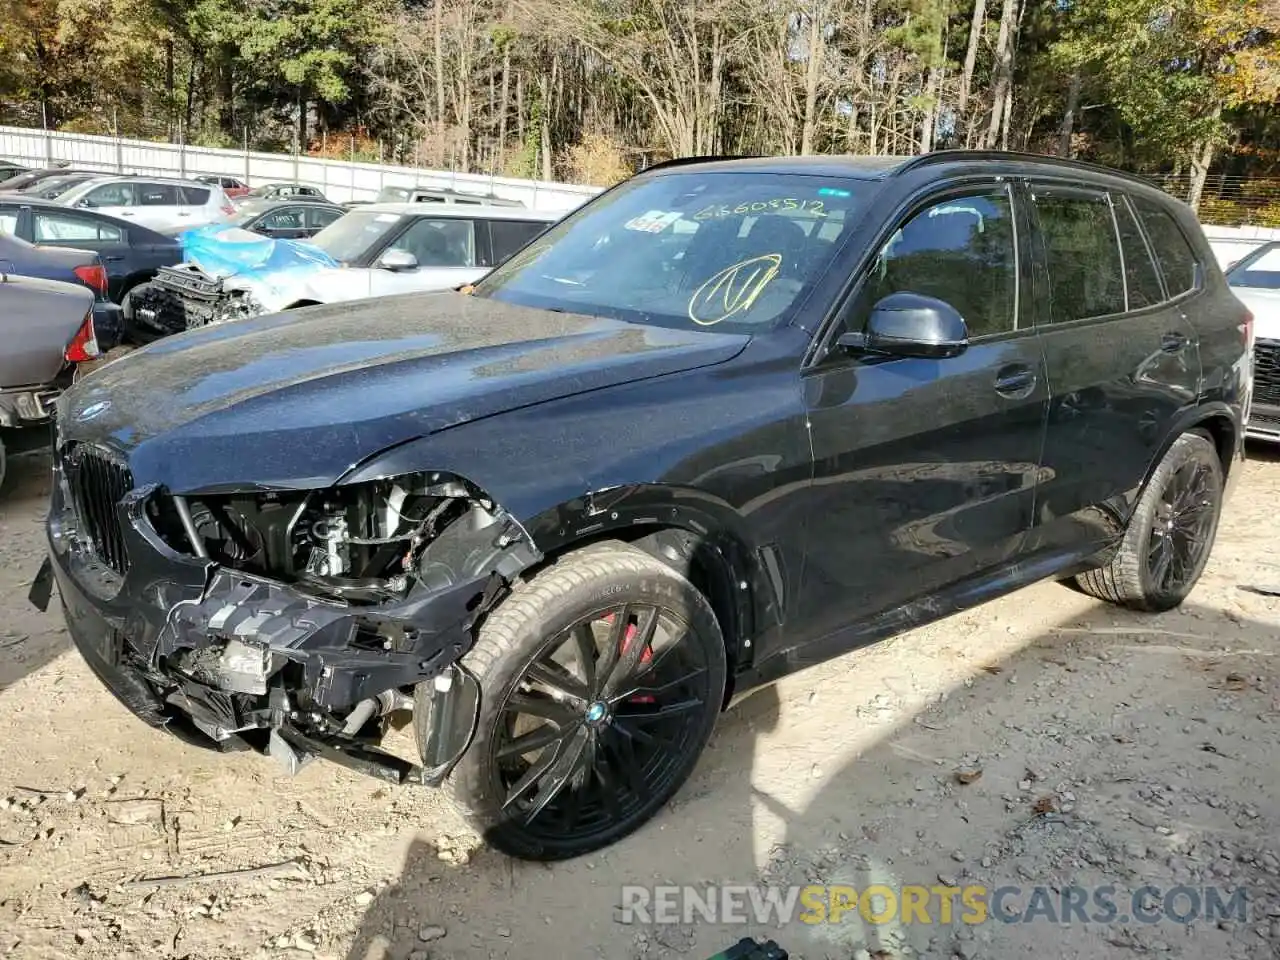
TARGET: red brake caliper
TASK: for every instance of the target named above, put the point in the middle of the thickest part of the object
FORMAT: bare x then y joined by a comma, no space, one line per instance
646,657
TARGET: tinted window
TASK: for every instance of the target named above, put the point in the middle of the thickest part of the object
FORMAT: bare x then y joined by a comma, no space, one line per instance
960,251
440,243
508,236
1081,256
56,227
157,195
318,217
730,251
194,196
289,218
1139,271
111,195
1173,253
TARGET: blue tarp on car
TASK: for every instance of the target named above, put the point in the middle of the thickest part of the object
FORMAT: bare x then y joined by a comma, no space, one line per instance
223,251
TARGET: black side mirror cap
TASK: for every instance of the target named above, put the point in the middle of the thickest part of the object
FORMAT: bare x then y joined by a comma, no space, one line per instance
911,325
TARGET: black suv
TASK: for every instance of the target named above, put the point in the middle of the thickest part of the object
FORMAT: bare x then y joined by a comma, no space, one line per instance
729,419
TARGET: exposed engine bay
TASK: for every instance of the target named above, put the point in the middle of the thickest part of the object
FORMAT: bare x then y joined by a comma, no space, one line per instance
321,614
184,297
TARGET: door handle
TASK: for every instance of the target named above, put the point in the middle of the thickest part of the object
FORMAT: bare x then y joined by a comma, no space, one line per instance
1015,381
1173,341
112,259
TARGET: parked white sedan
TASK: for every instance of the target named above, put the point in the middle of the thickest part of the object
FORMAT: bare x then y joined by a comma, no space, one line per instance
154,202
1255,280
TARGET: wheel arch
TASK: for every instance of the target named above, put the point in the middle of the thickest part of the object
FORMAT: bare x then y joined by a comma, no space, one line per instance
700,537
1215,419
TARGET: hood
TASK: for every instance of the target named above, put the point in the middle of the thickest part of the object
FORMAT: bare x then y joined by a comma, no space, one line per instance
294,400
1265,307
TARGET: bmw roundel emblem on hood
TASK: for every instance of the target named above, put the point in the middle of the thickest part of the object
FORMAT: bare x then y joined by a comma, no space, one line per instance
93,410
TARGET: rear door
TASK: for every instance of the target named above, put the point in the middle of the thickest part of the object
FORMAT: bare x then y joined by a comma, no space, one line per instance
161,205
1122,361
66,228
925,469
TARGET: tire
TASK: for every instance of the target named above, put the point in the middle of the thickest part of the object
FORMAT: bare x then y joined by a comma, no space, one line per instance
1171,533
630,743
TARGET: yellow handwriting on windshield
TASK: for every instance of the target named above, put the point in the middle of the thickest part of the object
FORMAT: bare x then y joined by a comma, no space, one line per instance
733,290
814,208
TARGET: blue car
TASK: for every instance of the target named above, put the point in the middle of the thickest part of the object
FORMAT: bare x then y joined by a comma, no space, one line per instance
70,266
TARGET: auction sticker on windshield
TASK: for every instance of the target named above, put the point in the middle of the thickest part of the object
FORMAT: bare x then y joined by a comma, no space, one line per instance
655,221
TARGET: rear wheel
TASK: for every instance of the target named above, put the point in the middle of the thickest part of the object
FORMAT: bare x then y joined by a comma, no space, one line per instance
1170,534
602,678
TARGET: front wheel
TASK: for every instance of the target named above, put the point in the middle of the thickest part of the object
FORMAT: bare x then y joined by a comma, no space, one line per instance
602,678
1170,534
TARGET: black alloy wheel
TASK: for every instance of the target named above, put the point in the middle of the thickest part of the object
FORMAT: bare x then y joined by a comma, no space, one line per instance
600,721
601,680
1182,526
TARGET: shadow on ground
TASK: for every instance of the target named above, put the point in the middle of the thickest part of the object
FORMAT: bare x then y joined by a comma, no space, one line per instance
1102,749
29,639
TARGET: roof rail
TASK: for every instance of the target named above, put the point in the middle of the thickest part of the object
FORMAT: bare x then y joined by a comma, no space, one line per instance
686,161
959,154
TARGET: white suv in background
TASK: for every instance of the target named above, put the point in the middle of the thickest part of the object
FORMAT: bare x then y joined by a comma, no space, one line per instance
154,202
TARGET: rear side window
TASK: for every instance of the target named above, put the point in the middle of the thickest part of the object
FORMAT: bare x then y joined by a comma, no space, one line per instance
1173,252
158,195
1081,256
508,236
1139,271
194,196
65,227
318,218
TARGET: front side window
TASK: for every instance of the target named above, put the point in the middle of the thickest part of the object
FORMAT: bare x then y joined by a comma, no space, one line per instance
728,251
1173,253
961,251
62,227
1082,258
1139,271
1259,271
440,243
112,195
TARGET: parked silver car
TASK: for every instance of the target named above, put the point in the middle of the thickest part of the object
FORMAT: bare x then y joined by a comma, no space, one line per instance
46,327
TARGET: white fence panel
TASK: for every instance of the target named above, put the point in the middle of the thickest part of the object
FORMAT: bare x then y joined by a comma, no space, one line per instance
1234,243
340,180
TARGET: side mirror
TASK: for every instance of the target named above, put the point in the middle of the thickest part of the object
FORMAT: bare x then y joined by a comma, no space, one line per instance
911,325
398,261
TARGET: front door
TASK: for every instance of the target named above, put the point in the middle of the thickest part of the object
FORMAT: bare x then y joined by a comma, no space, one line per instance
446,251
925,469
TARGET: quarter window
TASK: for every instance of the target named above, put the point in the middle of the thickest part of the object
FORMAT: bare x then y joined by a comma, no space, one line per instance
961,251
1081,256
8,222
1139,271
194,196
1173,253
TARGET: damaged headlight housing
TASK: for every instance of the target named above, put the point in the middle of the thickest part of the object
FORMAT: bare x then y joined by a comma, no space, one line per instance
362,543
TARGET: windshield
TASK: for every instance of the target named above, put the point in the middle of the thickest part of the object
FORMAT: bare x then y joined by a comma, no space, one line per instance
731,250
348,237
1260,270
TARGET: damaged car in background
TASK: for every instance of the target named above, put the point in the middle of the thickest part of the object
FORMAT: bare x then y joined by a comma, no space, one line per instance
726,421
231,273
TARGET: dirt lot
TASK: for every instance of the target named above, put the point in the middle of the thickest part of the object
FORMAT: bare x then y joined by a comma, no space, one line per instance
1043,739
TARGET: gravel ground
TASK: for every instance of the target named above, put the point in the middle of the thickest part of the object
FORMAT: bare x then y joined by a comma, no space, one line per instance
1043,740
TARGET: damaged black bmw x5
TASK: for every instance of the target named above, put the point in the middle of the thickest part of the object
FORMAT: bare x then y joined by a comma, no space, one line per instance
730,419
